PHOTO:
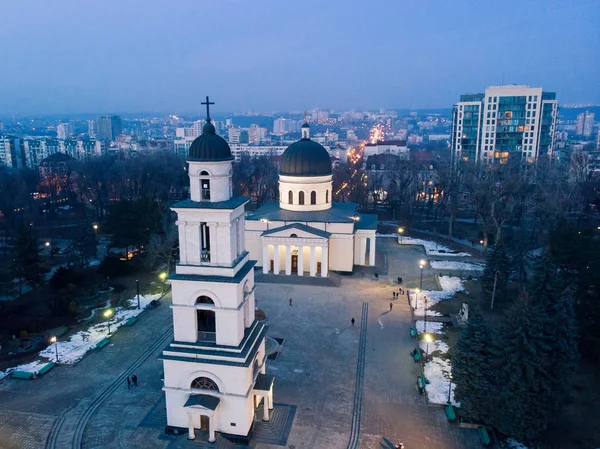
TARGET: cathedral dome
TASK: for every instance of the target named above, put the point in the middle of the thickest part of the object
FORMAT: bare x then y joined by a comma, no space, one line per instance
305,158
209,146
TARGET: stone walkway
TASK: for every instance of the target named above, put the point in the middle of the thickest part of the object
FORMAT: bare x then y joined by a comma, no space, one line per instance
316,373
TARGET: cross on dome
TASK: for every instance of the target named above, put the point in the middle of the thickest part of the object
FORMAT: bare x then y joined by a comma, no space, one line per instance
207,103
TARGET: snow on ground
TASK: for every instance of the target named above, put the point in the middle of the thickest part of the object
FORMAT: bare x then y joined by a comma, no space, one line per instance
450,285
432,248
437,372
513,444
433,327
452,265
435,346
80,343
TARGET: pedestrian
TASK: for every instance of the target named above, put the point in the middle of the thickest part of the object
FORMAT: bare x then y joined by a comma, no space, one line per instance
134,379
352,321
128,383
391,305
290,301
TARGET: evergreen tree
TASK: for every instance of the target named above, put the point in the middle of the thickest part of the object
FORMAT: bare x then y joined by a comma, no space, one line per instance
471,368
522,401
497,261
84,247
26,266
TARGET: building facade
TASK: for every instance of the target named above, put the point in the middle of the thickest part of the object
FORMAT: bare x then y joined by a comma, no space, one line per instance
109,127
304,233
505,122
585,124
215,368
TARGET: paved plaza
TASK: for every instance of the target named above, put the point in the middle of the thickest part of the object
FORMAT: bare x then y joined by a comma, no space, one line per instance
90,406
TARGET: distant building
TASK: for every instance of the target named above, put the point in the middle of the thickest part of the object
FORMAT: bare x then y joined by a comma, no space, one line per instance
239,150
285,125
395,147
92,129
64,130
238,135
11,152
436,137
256,134
505,122
109,127
1,125
585,124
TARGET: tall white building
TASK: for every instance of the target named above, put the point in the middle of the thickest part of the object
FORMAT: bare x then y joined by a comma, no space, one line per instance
215,368
505,122
64,130
92,131
285,125
585,124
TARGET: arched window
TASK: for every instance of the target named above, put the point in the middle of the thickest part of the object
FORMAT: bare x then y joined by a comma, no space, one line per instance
294,235
204,383
204,300
204,186
313,197
290,197
327,196
301,198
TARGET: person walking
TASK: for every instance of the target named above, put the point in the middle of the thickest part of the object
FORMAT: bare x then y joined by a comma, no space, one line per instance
391,305
290,301
128,383
352,321
134,379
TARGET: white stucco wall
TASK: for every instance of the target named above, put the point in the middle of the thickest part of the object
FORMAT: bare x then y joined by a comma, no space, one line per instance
307,184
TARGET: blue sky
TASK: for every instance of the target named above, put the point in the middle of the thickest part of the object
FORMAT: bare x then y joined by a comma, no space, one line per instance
69,56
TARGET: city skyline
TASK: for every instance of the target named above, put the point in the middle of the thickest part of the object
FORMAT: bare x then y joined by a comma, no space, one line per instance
278,57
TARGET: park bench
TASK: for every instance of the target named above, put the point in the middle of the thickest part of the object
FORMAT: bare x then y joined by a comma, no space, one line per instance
131,321
22,375
47,367
102,343
416,354
483,435
413,332
450,412
421,382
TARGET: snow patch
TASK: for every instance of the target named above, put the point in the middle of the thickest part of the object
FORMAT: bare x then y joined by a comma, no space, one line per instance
452,265
437,372
433,327
435,346
450,285
511,443
432,248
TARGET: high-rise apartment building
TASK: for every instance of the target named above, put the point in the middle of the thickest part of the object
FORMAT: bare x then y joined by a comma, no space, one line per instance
92,129
505,122
585,124
109,127
64,130
286,125
11,152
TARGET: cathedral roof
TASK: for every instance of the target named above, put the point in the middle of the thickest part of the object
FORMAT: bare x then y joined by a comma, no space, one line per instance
209,146
305,158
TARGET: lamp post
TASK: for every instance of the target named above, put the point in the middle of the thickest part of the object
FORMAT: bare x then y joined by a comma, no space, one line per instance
494,289
95,228
107,314
137,287
425,310
481,243
417,290
55,341
401,231
266,221
163,277
428,339
449,388
422,265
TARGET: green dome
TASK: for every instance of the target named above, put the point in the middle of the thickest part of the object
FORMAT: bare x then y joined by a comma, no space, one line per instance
209,146
305,158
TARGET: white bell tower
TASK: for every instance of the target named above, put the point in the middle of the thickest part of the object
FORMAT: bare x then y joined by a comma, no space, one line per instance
215,368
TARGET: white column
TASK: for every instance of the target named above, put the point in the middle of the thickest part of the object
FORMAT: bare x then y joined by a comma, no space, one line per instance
288,260
275,259
211,430
191,434
372,252
265,408
242,235
266,261
363,251
270,396
324,261
212,230
313,261
300,260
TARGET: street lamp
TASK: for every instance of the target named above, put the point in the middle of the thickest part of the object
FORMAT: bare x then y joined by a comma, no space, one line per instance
449,387
137,287
428,339
494,290
47,244
401,231
163,277
266,221
55,341
417,290
481,243
107,314
422,265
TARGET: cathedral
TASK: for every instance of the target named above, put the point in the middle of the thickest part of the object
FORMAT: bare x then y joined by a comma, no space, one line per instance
305,233
215,367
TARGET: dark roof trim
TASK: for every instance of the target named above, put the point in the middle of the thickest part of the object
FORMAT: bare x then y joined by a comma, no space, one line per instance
203,400
301,227
202,278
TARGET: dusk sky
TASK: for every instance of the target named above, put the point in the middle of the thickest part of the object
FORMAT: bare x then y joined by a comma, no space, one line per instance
70,56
